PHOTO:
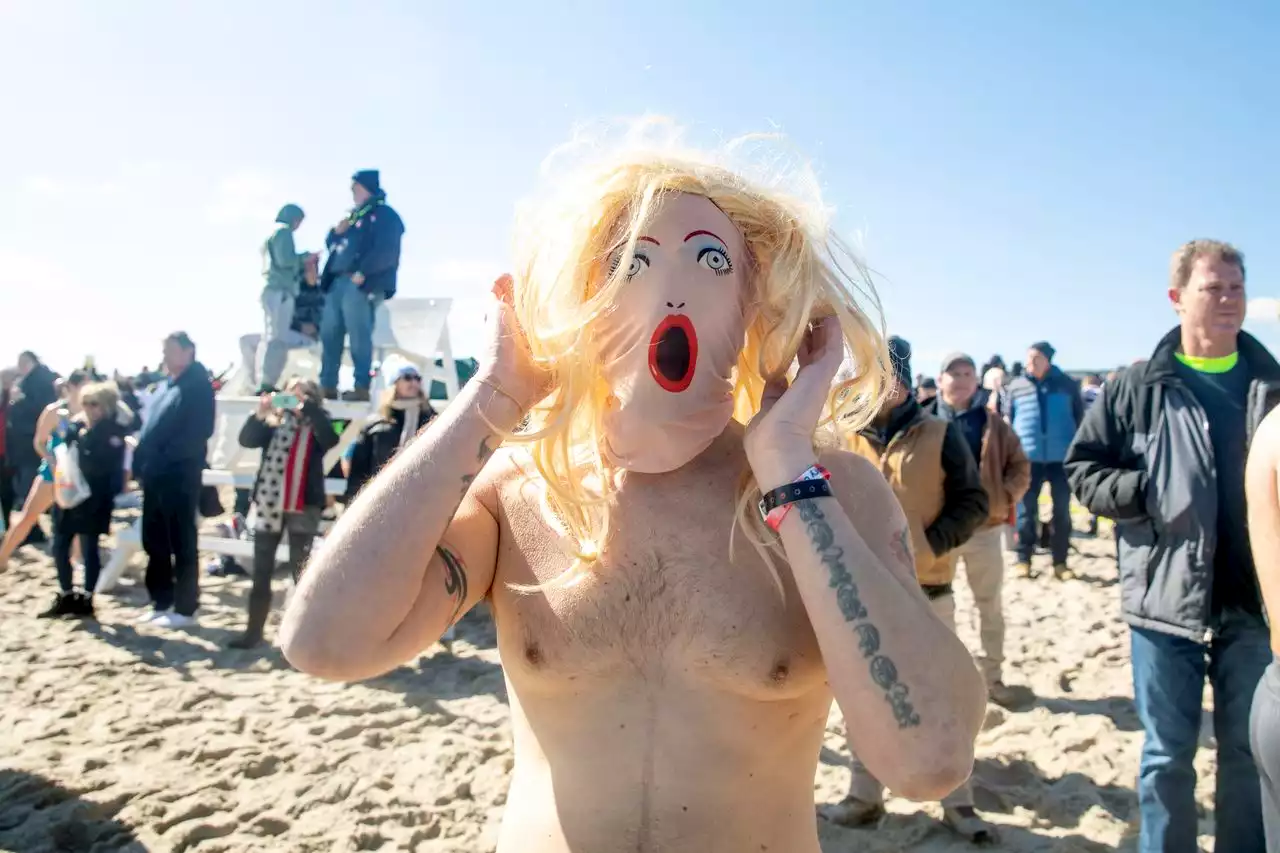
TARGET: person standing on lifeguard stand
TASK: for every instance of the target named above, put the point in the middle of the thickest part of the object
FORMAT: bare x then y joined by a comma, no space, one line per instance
364,254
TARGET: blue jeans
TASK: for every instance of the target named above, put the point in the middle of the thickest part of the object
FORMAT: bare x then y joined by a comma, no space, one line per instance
349,312
1168,686
1055,474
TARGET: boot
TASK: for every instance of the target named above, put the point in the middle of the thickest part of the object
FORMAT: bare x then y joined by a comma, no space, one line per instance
854,812
356,395
1023,569
329,393
61,606
82,605
259,608
1062,573
1010,698
247,640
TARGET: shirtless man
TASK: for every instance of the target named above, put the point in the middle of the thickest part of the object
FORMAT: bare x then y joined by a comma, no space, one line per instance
675,698
1262,491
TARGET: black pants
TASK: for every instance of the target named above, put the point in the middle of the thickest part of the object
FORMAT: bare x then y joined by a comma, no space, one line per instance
169,530
301,528
63,536
6,492
1264,737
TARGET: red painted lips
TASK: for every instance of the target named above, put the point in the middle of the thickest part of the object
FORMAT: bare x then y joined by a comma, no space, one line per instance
673,353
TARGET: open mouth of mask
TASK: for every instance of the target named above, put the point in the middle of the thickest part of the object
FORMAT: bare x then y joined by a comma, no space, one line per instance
673,353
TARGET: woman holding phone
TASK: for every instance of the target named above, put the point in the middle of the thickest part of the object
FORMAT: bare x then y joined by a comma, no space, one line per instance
294,432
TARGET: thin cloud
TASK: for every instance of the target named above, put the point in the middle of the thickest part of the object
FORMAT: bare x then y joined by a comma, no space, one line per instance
244,197
464,271
1264,309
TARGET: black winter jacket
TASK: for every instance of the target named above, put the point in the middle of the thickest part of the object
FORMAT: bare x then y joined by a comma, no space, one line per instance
378,441
35,393
1144,458
101,451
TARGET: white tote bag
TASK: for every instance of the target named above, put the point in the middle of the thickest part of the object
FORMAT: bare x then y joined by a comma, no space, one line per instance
70,489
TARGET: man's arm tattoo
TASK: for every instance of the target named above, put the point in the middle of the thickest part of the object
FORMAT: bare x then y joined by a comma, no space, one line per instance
455,577
482,456
902,549
455,580
883,670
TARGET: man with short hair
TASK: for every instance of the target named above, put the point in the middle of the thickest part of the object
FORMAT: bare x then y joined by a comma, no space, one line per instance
1044,407
360,273
927,462
168,464
1162,452
1005,475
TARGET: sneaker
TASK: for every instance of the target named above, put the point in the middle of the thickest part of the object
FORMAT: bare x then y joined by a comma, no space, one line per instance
1023,569
1062,573
151,616
356,395
62,605
964,821
171,619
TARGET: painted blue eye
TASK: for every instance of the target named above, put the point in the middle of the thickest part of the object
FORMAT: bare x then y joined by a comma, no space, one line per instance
637,265
715,260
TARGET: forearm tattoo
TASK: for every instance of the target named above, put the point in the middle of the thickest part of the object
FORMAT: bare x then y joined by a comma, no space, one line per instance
883,670
482,456
455,580
455,572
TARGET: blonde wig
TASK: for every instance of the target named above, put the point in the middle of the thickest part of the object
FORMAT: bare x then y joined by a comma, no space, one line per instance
799,271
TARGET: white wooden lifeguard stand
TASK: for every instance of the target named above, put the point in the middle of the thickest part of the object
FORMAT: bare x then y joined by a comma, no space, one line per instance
408,330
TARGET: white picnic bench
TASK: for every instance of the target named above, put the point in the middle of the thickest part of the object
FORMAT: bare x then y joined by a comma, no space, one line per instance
408,330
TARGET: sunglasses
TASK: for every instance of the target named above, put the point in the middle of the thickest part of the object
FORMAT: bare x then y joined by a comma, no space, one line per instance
412,377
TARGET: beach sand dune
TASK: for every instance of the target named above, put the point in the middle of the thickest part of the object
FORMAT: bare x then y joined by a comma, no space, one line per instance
121,737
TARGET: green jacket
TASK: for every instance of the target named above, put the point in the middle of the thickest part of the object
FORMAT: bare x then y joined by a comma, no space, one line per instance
282,263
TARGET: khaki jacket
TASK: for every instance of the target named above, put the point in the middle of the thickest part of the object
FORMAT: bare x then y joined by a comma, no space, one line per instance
912,464
1004,469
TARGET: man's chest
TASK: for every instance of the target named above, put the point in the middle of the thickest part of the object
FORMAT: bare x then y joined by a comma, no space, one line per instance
667,599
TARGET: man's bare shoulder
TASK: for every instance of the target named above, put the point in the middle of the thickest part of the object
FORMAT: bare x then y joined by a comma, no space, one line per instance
1268,434
1264,450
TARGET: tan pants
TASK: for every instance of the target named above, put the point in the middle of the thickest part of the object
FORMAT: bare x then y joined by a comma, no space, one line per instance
983,558
866,787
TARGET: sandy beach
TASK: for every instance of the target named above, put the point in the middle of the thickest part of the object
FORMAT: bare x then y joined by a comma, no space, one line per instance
116,737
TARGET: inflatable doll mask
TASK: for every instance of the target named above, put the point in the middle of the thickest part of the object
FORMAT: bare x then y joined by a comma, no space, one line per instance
671,341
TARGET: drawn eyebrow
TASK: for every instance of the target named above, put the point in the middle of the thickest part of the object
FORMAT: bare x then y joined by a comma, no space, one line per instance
648,240
693,234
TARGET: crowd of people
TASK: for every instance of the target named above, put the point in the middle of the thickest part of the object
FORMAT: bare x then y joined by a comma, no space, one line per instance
1161,448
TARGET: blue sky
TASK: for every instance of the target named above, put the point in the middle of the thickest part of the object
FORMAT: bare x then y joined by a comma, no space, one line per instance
1015,171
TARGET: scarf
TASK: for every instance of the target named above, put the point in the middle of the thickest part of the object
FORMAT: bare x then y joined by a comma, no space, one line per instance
282,479
412,416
